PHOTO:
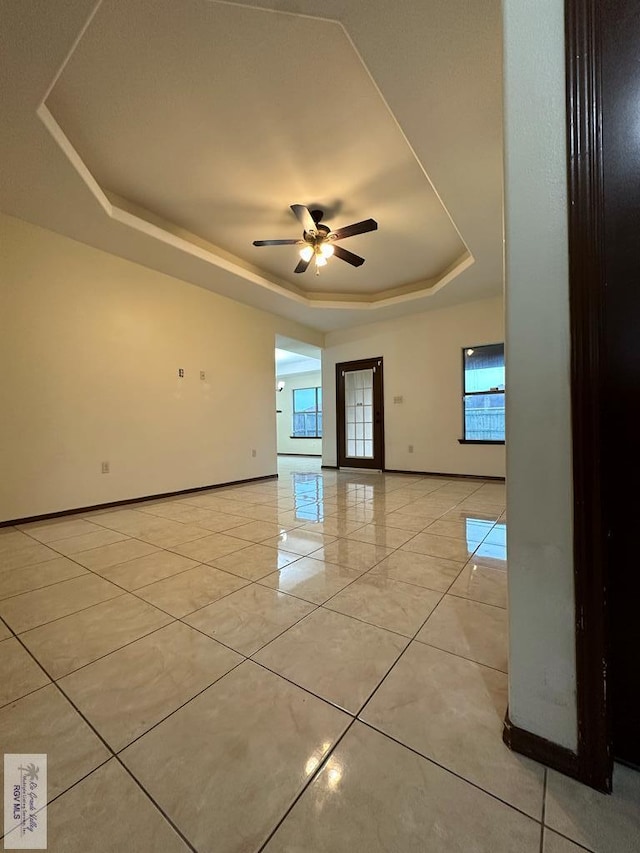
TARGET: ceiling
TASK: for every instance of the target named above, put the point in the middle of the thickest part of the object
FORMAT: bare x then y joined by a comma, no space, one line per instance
175,134
290,363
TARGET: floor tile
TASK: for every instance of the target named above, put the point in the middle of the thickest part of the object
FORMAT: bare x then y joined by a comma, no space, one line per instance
388,604
440,546
603,823
26,553
171,534
352,555
17,581
333,526
210,547
337,658
46,722
111,555
378,534
498,535
431,572
375,796
249,618
264,738
75,544
66,644
129,521
190,590
554,843
258,531
147,570
313,580
299,541
469,629
254,562
132,689
415,522
40,606
491,555
481,583
19,673
107,800
468,529
461,513
5,633
59,528
452,710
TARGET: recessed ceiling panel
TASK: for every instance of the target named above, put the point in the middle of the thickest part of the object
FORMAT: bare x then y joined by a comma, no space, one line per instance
216,118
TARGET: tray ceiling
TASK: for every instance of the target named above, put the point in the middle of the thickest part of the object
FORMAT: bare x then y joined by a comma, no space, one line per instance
192,127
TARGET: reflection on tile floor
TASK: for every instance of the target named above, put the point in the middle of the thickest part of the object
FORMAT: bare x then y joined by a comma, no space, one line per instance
314,663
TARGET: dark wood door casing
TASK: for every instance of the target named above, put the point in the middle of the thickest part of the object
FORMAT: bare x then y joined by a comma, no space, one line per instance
377,463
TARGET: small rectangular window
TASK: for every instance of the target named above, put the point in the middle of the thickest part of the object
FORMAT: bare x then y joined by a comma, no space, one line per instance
307,413
484,388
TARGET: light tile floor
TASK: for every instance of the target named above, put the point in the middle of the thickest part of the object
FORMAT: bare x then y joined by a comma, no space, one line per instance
316,663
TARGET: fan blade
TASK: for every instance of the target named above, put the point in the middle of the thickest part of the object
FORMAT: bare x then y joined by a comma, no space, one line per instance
304,217
302,265
356,228
349,257
275,242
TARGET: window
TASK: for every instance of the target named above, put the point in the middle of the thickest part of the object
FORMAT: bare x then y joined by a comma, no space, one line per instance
483,369
307,413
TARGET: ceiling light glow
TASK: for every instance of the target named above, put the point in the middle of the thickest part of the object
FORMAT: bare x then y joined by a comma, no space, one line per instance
306,253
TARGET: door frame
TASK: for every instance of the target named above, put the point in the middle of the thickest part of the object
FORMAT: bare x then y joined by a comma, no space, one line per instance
378,406
594,760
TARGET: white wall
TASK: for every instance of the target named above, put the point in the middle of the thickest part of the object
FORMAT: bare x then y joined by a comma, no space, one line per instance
539,497
422,364
284,401
90,347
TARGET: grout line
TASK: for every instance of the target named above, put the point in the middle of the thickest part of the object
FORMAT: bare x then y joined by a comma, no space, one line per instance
448,770
544,803
307,785
105,744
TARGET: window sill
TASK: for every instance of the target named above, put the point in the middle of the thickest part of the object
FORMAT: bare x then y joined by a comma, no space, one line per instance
306,437
478,441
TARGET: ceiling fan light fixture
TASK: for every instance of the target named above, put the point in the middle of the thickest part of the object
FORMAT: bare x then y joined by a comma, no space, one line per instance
321,261
326,250
306,253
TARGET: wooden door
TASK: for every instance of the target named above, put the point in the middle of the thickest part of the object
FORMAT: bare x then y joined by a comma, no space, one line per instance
360,414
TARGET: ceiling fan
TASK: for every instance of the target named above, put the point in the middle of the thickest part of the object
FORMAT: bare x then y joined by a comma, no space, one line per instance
318,240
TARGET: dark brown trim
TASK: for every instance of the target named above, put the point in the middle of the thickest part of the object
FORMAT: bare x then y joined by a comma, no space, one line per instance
478,441
444,475
78,510
329,467
533,746
586,296
377,463
305,437
314,455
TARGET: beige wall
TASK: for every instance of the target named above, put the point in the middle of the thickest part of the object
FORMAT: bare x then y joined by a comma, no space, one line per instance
91,345
422,364
284,401
541,597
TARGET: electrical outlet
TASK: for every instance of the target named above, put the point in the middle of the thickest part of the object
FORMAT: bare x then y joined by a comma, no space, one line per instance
106,469
254,453
203,375
181,373
411,448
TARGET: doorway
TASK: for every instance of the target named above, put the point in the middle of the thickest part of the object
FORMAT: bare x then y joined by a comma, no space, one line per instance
360,414
298,385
